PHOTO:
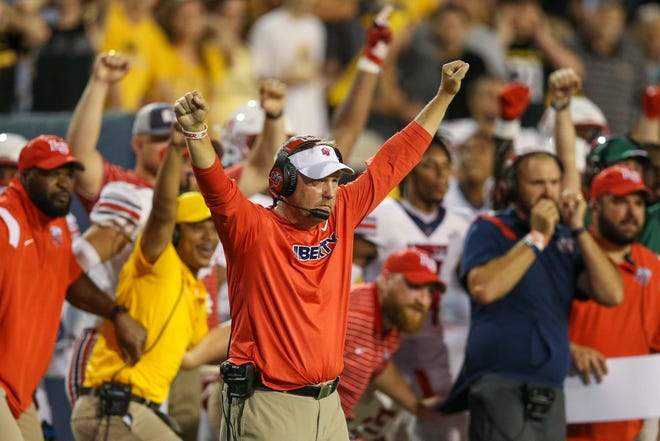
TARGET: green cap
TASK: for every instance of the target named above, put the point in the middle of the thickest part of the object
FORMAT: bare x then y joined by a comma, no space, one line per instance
616,150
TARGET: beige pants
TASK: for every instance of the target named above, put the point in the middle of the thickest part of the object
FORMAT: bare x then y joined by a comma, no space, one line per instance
185,402
25,428
141,423
274,416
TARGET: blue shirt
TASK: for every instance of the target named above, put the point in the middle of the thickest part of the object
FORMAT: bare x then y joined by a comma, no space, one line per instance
523,335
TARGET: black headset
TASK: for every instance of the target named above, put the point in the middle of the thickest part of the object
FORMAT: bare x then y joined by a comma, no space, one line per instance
506,188
283,175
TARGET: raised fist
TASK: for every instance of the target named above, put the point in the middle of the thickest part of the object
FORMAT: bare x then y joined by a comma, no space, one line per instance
651,102
379,37
514,100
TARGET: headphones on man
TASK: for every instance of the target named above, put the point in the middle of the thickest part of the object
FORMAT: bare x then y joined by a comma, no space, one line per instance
283,175
506,188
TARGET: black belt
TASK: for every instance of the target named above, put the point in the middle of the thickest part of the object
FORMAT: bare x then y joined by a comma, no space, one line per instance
317,391
94,392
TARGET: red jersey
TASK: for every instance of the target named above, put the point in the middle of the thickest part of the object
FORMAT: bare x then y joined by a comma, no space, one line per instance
289,288
367,349
627,330
38,266
111,173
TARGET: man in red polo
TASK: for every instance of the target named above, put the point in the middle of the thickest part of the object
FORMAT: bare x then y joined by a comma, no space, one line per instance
379,313
618,196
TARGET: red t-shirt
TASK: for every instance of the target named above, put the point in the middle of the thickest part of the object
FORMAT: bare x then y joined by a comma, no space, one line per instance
626,330
367,349
288,288
111,173
37,267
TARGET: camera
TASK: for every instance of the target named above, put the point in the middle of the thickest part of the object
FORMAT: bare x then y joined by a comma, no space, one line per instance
115,398
240,379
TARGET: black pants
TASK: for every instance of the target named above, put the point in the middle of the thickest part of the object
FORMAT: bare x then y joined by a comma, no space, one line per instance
497,412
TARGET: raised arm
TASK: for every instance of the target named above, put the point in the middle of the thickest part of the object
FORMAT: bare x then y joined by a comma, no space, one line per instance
190,111
158,230
85,126
350,117
432,114
562,84
254,178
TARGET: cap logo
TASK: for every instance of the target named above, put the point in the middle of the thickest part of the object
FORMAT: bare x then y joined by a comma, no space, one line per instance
167,116
325,151
630,175
427,261
58,146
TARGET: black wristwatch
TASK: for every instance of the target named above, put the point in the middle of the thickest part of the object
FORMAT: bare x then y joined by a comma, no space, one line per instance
118,309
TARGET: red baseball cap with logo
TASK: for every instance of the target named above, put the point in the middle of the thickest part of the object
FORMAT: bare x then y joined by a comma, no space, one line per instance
618,180
47,152
416,266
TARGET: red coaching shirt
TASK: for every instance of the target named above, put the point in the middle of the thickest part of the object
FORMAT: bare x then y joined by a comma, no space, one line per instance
37,268
289,288
626,330
367,348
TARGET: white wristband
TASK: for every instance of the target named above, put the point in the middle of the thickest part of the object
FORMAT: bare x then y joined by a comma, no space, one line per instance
536,241
196,135
368,65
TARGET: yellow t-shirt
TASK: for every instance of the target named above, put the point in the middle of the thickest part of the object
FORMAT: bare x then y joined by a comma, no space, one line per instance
170,302
143,43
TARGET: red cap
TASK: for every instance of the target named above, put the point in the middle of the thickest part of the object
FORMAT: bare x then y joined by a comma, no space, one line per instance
47,152
416,266
618,180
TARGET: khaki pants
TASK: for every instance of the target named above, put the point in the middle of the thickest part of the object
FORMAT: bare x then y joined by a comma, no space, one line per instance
274,416
25,428
214,408
141,423
185,401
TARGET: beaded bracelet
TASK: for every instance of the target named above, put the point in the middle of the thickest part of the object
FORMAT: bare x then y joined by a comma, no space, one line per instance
196,135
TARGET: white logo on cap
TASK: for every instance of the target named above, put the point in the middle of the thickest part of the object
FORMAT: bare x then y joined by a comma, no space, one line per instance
631,175
58,146
428,262
167,115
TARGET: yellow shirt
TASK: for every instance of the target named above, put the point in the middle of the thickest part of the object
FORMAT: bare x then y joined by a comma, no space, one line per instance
143,43
170,302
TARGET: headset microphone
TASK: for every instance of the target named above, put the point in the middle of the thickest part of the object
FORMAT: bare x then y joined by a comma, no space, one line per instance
316,212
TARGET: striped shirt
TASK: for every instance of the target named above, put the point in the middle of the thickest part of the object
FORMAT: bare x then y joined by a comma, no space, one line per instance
367,349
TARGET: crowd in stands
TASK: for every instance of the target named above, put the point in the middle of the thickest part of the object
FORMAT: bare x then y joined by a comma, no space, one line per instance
522,244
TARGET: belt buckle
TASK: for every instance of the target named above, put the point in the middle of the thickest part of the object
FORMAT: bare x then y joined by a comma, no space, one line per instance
325,390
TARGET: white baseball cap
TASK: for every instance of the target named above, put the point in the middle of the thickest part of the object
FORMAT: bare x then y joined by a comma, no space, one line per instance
11,145
319,162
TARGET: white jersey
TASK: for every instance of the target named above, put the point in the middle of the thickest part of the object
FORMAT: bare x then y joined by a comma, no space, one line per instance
124,207
430,359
